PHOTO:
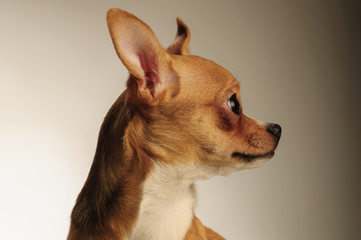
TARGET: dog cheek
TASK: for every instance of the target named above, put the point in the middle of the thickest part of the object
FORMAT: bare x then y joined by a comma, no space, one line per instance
223,121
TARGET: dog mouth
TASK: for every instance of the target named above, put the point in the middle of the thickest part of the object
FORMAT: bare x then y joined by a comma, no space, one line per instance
251,158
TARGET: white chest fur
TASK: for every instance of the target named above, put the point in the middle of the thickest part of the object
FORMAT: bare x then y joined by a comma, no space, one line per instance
166,210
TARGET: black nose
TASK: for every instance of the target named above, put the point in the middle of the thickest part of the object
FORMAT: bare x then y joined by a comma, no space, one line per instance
275,130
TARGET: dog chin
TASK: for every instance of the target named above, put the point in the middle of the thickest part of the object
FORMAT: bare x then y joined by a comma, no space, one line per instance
248,158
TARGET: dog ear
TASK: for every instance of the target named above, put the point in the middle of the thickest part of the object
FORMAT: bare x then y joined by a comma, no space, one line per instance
149,65
180,46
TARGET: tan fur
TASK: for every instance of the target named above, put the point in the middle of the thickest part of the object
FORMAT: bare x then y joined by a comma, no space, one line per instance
200,232
174,112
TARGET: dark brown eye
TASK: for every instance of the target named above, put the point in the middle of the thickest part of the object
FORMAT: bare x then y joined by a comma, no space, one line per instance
233,104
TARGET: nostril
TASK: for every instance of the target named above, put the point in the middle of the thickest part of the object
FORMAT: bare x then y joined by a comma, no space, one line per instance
275,130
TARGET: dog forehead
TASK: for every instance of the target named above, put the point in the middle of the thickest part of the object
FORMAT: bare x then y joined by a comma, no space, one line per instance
198,74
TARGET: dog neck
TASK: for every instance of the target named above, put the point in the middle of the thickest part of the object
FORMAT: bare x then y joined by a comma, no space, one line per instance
108,204
167,204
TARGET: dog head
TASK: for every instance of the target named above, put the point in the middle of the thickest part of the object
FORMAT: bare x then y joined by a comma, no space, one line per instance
187,109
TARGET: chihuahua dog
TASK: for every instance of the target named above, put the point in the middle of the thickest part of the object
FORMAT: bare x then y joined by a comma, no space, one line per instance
179,120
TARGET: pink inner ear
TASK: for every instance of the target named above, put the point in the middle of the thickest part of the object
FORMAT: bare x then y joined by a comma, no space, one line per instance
150,74
149,82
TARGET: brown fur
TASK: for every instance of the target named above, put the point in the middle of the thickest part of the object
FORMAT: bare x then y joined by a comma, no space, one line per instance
108,203
174,109
200,232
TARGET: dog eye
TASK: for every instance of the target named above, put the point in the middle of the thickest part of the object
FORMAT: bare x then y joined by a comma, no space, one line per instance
233,104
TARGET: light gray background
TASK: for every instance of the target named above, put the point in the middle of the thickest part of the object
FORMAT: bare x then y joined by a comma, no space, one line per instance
298,63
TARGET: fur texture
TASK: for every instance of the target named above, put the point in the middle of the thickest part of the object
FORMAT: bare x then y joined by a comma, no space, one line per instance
179,120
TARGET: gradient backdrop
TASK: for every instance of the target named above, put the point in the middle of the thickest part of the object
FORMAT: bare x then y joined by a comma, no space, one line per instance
298,63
